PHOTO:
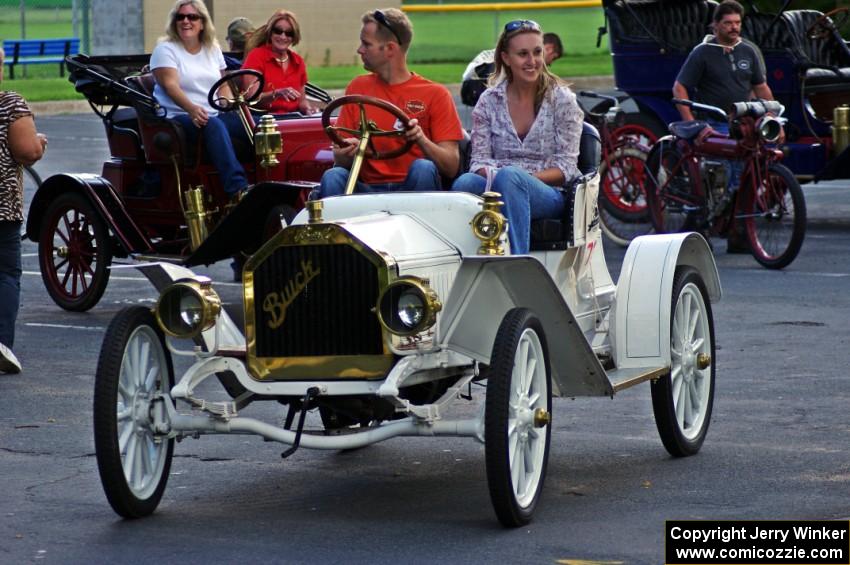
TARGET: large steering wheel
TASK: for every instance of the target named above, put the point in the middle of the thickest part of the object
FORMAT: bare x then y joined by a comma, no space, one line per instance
367,127
245,85
829,23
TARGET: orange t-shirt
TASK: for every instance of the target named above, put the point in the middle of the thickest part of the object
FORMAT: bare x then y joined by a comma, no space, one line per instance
419,98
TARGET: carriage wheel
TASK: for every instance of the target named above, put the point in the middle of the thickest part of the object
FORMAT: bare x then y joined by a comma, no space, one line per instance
517,419
682,399
133,371
74,252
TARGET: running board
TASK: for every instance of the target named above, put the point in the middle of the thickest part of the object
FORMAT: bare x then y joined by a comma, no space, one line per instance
622,379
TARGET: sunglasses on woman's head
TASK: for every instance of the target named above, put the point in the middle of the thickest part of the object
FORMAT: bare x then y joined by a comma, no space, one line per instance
287,32
190,17
381,18
522,24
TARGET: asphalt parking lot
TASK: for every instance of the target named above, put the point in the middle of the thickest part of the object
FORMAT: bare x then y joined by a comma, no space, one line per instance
777,447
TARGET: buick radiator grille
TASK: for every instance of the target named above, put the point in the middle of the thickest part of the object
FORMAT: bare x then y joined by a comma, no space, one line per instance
316,300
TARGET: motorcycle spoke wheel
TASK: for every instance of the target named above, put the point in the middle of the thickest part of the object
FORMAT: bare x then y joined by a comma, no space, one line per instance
775,218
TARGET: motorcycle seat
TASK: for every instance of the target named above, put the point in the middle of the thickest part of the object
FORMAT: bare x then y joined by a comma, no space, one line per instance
688,130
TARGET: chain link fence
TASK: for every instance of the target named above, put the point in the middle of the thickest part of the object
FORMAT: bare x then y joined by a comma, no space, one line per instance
45,19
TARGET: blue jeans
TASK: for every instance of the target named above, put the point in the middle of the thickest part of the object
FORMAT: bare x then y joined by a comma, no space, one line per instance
526,198
219,147
10,280
422,175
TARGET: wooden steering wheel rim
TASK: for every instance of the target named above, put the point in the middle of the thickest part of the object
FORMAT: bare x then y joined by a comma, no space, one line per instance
822,27
361,100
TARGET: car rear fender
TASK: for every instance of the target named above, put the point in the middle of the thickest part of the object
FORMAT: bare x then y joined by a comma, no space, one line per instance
486,288
103,199
640,316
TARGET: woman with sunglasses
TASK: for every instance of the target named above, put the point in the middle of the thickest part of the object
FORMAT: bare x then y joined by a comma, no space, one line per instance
186,63
525,136
269,52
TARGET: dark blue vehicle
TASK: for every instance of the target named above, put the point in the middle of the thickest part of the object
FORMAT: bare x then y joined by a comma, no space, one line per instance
807,60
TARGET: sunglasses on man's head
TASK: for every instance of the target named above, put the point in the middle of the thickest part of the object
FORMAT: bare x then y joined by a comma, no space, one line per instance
190,17
381,18
522,24
287,32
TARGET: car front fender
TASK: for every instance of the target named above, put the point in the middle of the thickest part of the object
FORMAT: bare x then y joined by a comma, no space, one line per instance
486,288
104,200
642,306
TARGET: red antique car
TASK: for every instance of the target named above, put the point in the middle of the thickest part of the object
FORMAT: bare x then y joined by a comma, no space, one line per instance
156,196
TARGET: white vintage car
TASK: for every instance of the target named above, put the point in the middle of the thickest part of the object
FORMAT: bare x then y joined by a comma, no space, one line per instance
380,311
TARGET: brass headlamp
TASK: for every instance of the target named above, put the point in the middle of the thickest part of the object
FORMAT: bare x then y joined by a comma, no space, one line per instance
188,307
408,306
489,225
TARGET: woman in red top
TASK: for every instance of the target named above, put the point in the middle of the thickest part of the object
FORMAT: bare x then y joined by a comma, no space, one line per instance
269,52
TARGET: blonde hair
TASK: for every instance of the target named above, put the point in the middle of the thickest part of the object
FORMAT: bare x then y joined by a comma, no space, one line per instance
207,36
547,82
263,34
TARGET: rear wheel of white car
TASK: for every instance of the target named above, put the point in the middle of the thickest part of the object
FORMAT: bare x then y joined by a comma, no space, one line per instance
517,421
682,400
134,369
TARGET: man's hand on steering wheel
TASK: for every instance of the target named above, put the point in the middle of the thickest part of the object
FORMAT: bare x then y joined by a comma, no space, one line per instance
413,132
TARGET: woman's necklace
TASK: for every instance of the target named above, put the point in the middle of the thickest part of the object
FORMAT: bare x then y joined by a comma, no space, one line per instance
282,60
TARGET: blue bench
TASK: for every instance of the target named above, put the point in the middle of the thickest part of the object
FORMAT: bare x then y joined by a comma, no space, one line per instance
39,52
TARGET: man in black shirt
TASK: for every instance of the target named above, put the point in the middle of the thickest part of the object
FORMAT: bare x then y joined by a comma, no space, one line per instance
720,71
724,68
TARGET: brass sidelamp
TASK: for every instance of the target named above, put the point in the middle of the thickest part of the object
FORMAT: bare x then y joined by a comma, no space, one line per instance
489,225
267,142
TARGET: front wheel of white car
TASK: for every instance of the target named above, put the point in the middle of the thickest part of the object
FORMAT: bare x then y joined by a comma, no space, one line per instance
134,371
682,400
517,421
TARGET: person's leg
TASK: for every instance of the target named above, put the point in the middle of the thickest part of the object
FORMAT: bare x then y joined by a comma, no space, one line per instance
10,280
736,242
525,197
334,180
423,175
219,149
470,182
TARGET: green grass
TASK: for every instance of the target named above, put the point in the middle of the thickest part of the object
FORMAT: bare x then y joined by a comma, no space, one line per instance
458,37
40,23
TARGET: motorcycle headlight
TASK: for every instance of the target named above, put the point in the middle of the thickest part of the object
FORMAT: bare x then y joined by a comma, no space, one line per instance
408,306
769,128
187,308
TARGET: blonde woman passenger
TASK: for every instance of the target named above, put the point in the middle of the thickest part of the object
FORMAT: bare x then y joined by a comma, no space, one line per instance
525,136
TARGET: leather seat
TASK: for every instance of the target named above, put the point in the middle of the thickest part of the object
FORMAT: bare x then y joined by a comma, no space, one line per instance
687,129
557,233
676,25
826,62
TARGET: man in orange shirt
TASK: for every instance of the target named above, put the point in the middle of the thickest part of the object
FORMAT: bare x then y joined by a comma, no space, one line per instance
434,127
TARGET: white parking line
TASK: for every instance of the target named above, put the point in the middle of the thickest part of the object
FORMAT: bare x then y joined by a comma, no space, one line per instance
113,277
66,327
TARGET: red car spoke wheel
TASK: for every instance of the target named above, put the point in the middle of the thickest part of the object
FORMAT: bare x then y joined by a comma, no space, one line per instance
74,253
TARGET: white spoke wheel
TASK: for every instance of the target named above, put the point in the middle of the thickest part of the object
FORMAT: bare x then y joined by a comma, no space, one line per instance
134,369
682,400
517,421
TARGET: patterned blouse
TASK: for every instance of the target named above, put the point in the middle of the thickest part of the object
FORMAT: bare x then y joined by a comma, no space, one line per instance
12,107
552,141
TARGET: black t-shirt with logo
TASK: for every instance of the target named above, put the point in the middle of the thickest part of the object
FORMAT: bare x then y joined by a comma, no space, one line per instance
720,78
